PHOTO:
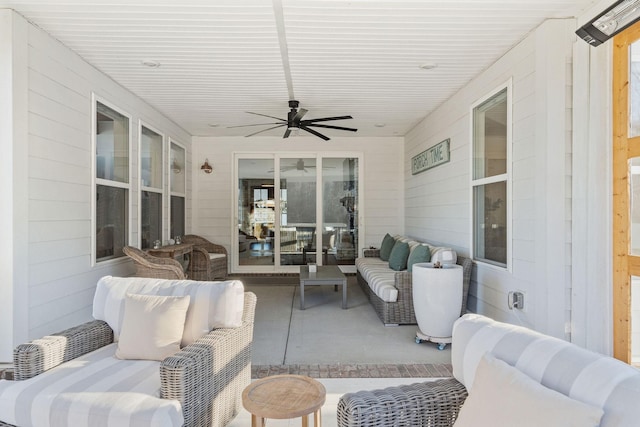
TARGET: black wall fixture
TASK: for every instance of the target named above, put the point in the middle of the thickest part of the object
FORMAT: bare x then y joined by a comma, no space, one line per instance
610,22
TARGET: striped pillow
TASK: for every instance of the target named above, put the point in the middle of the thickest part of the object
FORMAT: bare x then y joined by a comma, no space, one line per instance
578,373
212,304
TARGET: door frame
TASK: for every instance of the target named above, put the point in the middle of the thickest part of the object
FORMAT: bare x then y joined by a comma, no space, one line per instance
319,156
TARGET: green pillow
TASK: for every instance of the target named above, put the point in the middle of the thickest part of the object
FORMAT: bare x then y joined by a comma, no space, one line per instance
398,257
420,253
386,246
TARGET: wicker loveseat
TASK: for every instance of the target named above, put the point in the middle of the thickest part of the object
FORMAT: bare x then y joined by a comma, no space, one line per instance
536,369
73,378
391,293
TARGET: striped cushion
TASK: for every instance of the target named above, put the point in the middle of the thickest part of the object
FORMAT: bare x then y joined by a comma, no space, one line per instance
212,305
93,390
379,277
561,366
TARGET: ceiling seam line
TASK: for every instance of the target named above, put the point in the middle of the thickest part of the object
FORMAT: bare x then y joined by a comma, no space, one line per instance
284,48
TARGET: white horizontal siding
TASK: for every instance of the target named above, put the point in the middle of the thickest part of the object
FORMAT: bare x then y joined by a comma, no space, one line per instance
60,278
438,201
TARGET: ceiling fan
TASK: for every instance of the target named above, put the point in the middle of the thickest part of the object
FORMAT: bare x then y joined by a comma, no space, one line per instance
300,166
294,121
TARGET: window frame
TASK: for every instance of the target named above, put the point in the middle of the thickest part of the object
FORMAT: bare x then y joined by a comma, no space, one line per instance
176,193
142,188
504,177
95,181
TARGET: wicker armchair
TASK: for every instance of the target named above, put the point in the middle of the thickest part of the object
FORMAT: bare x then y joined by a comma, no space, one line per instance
206,268
430,403
155,267
206,377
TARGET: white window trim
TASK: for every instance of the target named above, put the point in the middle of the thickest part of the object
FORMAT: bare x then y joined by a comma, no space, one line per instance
142,188
176,193
98,181
496,178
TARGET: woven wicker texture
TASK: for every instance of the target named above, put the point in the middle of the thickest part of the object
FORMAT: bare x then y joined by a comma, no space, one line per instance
207,377
432,403
154,267
401,312
203,268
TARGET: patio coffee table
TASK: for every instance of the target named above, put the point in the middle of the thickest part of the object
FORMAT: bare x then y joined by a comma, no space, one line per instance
326,275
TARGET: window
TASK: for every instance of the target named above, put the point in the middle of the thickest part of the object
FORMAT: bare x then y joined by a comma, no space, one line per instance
111,131
490,178
151,194
177,159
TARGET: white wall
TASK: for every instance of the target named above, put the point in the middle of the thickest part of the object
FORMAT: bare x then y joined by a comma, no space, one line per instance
52,187
381,180
438,202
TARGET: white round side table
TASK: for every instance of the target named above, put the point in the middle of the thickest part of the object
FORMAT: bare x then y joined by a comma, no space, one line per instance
437,300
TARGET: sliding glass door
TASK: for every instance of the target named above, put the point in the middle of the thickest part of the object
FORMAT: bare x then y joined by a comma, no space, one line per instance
293,210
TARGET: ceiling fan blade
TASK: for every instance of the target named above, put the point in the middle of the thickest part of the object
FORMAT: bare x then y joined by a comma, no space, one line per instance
313,132
265,115
325,119
287,133
299,115
334,127
257,124
263,130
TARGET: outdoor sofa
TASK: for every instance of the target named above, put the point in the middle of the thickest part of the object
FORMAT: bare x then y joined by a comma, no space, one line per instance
506,375
79,377
390,290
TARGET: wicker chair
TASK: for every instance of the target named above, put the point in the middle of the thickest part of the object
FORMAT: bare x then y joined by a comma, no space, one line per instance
205,268
430,403
155,267
206,377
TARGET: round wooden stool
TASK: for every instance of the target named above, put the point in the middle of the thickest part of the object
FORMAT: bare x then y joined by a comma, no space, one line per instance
284,397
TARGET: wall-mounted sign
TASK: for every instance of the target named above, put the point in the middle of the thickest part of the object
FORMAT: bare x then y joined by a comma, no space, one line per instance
431,157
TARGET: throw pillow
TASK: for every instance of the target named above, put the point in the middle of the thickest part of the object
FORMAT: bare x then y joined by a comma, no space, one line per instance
212,305
398,256
152,326
387,245
502,396
420,253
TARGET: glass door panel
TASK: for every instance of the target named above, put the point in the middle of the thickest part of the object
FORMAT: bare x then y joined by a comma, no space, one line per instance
340,210
297,211
256,212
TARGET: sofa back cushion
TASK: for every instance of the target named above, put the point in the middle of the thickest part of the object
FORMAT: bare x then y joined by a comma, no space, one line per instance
578,373
386,247
419,253
212,304
398,256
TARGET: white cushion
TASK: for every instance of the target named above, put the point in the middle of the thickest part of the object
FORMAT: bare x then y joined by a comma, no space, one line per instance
96,389
502,396
152,326
212,304
577,373
213,255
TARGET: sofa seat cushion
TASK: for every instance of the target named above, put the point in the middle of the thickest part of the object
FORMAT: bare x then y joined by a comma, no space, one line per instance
379,277
93,390
578,373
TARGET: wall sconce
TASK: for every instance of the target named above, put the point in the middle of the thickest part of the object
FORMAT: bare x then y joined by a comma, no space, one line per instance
610,22
206,167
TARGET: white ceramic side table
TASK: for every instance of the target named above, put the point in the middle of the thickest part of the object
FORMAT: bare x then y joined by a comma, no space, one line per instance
437,298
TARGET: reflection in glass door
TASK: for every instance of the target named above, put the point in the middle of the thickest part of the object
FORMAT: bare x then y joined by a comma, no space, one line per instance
339,211
256,212
298,210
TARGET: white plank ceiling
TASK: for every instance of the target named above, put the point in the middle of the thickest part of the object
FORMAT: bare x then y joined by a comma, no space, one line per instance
221,58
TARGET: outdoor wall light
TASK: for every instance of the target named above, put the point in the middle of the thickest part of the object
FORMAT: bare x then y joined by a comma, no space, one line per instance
206,167
610,22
